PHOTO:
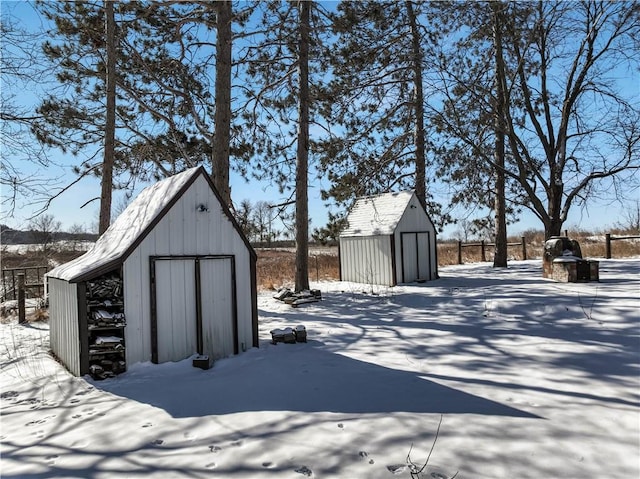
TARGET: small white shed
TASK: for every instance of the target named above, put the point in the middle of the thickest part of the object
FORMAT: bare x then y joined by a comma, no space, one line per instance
172,277
389,239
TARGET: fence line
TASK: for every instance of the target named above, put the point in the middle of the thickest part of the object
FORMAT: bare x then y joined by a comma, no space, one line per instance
483,244
33,280
608,239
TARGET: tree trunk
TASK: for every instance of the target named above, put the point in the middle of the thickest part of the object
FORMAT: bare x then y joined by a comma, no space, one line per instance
418,105
500,207
110,120
553,227
302,154
222,118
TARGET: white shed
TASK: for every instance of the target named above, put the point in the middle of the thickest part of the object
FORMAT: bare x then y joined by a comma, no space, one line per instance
172,277
389,239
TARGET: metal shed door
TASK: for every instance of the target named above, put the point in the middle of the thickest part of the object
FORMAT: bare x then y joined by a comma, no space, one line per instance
415,256
217,297
175,283
195,307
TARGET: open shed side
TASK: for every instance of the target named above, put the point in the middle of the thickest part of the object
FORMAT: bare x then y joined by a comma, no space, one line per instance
173,276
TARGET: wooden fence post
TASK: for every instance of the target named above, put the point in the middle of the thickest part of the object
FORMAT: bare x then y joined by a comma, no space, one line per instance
483,256
607,246
459,252
22,317
524,249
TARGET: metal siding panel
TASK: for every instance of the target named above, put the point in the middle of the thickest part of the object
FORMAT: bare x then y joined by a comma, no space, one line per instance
217,307
136,291
424,263
409,258
201,233
366,260
175,283
244,299
63,313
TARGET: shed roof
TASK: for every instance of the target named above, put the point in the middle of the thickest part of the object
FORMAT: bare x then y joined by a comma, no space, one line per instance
377,215
133,224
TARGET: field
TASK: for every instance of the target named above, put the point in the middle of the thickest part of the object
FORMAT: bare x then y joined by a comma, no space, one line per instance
529,378
276,266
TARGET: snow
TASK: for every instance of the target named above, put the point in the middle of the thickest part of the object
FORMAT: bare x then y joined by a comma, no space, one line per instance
531,379
133,222
378,214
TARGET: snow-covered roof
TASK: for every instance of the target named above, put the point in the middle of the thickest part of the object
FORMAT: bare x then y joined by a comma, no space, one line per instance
133,223
378,214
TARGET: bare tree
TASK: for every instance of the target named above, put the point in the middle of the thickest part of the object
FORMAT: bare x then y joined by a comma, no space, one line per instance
43,229
23,158
572,127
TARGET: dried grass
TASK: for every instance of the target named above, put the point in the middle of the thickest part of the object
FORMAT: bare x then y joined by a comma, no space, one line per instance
276,268
592,245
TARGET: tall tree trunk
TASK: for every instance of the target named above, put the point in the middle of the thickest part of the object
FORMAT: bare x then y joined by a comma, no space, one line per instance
553,227
222,118
418,105
302,154
500,256
110,120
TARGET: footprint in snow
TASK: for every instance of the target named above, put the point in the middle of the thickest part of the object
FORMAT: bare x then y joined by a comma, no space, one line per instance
74,401
147,424
396,468
214,448
340,425
305,471
9,395
236,444
52,458
189,435
40,421
268,464
211,465
157,442
364,455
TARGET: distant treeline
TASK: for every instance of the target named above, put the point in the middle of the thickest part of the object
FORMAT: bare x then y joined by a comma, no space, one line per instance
10,236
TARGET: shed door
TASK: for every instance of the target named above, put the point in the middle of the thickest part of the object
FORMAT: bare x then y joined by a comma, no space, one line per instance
176,309
195,307
217,298
415,256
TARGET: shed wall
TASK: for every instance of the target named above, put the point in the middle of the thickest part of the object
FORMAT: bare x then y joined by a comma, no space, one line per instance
415,220
184,231
64,334
366,259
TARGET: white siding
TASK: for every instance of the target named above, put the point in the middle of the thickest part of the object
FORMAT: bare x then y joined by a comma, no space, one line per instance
415,254
409,272
176,307
184,231
217,307
415,220
366,259
424,253
63,323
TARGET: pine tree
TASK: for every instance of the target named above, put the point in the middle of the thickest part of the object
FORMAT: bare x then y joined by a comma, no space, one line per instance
283,63
376,100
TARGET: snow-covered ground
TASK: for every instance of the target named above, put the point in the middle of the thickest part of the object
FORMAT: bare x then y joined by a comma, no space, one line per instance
531,378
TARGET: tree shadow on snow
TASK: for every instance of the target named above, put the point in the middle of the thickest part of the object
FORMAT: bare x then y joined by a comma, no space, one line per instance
303,377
